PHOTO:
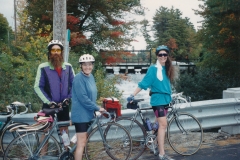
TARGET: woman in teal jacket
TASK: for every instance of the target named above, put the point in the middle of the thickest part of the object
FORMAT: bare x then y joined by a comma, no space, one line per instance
158,78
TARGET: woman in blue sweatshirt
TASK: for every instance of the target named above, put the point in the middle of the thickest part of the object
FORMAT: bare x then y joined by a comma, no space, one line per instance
158,78
84,96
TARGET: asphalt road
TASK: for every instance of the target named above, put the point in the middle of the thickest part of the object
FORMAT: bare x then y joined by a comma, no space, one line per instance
215,146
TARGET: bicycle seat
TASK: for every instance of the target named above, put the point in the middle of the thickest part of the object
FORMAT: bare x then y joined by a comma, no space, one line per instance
51,111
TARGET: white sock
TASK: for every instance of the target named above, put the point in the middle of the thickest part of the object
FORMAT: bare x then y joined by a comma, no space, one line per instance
161,155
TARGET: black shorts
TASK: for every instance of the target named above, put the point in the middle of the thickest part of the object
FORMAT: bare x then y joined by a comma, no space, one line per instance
64,114
82,127
160,110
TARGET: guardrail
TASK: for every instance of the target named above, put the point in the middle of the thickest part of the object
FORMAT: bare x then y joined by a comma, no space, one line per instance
211,113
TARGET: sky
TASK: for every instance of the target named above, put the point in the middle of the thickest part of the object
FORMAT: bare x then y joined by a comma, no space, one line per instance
185,6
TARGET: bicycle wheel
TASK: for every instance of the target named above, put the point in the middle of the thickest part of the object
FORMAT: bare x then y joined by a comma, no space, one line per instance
138,134
185,134
118,147
7,136
24,146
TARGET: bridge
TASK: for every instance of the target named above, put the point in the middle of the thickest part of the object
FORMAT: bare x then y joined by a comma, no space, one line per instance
140,63
139,67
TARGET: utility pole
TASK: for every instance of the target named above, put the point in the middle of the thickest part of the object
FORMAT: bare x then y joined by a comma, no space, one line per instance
60,31
60,22
15,20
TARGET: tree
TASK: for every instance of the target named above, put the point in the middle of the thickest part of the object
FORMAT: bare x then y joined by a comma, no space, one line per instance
3,28
169,28
220,36
101,23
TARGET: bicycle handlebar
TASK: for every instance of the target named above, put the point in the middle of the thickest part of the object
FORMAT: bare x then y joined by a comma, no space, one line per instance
14,107
137,100
109,117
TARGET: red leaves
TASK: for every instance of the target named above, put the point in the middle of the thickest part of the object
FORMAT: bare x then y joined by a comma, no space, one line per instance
72,23
45,18
72,20
113,57
77,38
116,34
117,22
172,44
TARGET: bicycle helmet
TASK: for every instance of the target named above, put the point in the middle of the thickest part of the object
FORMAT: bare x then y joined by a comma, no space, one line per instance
162,47
86,58
55,42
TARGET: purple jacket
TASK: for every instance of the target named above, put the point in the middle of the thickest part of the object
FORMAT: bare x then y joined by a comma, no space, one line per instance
50,87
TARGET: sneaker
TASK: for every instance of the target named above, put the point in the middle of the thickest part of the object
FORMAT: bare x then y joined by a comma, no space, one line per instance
165,157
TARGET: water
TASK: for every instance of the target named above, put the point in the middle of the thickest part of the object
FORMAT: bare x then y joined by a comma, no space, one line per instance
129,85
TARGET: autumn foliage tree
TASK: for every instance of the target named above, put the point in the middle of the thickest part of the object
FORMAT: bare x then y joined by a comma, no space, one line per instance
171,29
101,23
220,51
220,35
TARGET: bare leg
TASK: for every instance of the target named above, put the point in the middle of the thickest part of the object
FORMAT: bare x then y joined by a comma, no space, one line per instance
81,142
162,121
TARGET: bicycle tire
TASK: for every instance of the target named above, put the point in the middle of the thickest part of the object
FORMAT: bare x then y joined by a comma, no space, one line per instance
180,141
25,145
7,136
138,134
117,137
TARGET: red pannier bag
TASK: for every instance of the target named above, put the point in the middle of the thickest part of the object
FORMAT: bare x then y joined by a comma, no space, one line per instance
112,105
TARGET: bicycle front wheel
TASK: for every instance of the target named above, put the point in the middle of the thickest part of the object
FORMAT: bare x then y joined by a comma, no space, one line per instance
7,136
118,143
185,134
24,147
138,134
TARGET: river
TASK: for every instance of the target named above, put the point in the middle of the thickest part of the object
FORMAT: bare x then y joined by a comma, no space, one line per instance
128,86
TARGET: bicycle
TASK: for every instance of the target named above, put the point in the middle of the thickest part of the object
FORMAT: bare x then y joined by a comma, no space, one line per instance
184,132
105,139
5,135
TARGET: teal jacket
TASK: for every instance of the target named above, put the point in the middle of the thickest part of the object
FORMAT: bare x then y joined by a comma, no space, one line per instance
162,89
84,96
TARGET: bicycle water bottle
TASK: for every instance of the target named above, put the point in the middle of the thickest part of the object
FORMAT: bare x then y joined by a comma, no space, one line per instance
65,138
148,124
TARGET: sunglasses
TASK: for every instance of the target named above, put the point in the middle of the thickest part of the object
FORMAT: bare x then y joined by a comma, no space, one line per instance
162,54
56,50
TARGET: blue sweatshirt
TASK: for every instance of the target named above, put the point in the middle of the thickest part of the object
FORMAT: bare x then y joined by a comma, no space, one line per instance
163,88
84,96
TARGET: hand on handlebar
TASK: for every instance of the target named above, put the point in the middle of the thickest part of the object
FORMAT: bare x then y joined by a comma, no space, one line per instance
102,110
53,104
130,98
66,102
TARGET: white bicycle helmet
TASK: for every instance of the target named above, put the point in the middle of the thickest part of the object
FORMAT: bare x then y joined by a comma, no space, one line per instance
55,42
86,58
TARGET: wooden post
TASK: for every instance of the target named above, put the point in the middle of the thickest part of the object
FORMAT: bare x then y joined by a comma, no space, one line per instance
60,21
15,20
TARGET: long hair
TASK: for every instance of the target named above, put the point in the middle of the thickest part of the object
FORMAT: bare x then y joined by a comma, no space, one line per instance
169,69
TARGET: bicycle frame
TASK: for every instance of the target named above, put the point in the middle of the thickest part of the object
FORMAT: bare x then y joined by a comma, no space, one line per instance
94,122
